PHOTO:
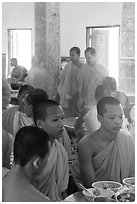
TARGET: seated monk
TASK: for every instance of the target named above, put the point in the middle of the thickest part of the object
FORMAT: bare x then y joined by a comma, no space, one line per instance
87,121
13,118
33,98
31,151
53,180
109,152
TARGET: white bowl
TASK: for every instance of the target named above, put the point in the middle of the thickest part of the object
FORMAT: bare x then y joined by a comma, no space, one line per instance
97,192
130,181
112,185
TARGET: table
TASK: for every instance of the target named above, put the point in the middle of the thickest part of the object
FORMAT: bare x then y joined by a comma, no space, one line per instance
76,197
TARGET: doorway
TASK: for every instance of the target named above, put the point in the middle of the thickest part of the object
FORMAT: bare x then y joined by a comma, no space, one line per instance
105,40
20,47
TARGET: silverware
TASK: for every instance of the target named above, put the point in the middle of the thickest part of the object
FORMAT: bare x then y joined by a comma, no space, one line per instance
85,189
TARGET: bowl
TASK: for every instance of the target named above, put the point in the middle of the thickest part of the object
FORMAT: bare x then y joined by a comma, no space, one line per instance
129,181
126,197
98,193
112,185
103,199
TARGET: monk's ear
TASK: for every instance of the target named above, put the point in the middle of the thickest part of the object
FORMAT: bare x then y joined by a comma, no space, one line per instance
39,123
35,162
99,117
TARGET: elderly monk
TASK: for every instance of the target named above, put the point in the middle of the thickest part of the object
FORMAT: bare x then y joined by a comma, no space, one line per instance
108,153
53,181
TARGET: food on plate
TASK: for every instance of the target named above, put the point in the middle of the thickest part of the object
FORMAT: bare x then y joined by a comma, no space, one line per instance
129,181
126,197
112,185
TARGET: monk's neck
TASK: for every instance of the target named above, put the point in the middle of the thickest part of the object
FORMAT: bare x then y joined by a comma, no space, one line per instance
77,63
106,135
21,173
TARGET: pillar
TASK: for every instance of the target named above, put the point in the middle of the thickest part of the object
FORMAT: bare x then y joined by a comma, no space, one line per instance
47,46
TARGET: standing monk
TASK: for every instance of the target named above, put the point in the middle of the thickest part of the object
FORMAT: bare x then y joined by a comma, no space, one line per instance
91,75
68,89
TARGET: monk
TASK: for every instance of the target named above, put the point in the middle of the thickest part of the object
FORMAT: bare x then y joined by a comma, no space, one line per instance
13,117
87,121
90,76
108,153
31,150
33,98
68,88
53,180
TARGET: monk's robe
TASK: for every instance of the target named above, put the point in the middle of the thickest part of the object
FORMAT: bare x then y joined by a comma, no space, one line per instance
115,162
53,180
4,172
68,90
6,149
13,120
66,142
90,76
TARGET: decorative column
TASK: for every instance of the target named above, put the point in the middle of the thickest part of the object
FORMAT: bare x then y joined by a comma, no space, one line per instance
47,46
127,51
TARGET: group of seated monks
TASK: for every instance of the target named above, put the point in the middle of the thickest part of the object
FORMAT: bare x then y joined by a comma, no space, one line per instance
36,147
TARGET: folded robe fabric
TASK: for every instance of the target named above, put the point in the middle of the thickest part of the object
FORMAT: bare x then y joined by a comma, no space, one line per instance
13,120
54,178
115,162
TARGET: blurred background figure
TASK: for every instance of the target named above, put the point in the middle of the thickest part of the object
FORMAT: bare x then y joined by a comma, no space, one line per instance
18,74
68,88
91,75
121,96
87,121
64,62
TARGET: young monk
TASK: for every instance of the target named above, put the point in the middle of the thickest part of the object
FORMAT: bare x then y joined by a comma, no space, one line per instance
90,76
33,98
53,180
68,88
31,151
108,153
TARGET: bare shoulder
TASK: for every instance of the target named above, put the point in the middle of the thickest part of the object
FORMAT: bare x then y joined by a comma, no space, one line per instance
87,142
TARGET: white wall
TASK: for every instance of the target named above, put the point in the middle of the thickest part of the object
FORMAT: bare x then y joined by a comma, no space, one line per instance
16,15
74,17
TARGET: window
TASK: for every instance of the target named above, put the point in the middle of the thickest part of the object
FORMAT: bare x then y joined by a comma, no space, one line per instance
20,47
105,40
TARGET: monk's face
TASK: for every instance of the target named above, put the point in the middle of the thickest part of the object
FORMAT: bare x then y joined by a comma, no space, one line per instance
53,123
113,118
74,56
90,59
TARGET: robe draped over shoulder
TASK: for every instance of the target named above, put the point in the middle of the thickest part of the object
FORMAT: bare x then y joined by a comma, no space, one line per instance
115,162
54,178
13,120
